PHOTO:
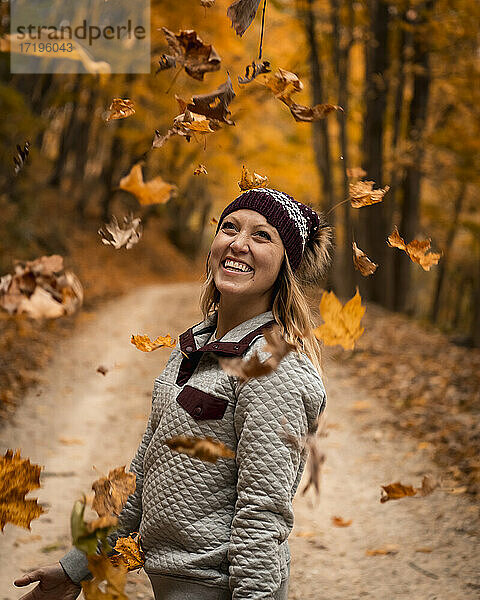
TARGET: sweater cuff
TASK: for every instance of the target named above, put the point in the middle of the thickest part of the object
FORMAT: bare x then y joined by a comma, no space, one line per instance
75,565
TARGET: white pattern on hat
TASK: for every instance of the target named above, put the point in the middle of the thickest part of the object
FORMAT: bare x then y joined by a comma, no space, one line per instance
292,209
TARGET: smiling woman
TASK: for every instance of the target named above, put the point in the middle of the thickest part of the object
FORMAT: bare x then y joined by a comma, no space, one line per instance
220,531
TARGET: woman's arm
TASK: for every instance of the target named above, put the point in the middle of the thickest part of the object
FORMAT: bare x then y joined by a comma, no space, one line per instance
268,465
75,562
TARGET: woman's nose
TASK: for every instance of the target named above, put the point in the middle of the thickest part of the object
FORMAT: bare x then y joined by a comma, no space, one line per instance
240,242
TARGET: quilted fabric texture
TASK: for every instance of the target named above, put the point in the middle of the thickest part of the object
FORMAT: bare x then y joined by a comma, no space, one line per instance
224,524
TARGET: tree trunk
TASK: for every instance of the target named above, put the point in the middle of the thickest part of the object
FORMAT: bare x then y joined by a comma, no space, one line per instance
413,177
444,263
373,219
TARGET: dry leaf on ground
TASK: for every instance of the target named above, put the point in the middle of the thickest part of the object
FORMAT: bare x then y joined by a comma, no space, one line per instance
117,236
143,343
342,323
395,491
189,51
363,194
108,581
18,476
241,13
130,553
206,449
361,261
111,492
341,522
416,250
387,549
120,108
250,181
155,191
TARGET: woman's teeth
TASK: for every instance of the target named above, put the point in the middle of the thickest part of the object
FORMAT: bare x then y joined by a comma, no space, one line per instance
231,265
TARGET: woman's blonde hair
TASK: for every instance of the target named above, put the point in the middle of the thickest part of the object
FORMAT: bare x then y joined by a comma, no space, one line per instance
290,307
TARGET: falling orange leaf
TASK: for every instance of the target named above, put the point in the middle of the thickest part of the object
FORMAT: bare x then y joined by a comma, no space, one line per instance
155,191
416,250
356,173
342,323
249,181
130,553
206,449
143,343
213,221
105,575
201,170
363,194
18,476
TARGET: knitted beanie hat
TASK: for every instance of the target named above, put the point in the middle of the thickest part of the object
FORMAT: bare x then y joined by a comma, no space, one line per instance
294,221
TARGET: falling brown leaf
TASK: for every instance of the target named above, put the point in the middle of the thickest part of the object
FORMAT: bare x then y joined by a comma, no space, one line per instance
106,576
253,70
206,449
111,492
313,113
250,181
120,108
103,370
201,170
185,125
387,549
207,3
315,461
342,323
117,236
276,345
429,484
130,553
213,221
416,250
155,191
190,52
356,173
361,261
143,343
242,13
41,289
363,194
340,522
214,104
21,157
101,523
18,476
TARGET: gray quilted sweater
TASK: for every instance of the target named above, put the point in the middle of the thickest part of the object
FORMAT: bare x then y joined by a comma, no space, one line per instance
223,524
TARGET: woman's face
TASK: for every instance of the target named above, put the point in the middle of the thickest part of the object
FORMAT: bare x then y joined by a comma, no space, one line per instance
245,237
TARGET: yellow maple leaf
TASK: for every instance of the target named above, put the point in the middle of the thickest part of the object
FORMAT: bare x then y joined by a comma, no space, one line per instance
155,191
18,476
130,553
143,342
342,323
111,492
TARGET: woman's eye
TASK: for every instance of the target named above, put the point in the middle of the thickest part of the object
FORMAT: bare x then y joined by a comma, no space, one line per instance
265,235
227,225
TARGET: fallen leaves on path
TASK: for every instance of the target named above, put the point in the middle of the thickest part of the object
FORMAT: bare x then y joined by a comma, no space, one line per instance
387,549
342,323
143,342
129,552
416,250
206,449
18,476
395,491
111,492
341,522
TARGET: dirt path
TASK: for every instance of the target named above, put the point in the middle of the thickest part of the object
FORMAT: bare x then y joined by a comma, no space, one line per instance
78,418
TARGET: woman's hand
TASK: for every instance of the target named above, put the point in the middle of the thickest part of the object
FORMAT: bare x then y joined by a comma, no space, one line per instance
54,584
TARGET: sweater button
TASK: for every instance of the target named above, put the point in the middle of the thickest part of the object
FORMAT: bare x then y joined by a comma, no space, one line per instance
189,348
236,347
215,345
197,411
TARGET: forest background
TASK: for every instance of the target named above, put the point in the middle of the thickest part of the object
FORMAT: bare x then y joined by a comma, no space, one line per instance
406,74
